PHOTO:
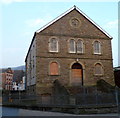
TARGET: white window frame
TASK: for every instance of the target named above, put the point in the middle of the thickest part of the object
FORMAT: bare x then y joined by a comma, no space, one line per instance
82,44
74,46
99,51
50,45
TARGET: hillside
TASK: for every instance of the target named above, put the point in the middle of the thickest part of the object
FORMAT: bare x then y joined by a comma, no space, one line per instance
18,74
19,68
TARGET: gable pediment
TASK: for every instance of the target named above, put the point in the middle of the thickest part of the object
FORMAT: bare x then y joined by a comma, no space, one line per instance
74,23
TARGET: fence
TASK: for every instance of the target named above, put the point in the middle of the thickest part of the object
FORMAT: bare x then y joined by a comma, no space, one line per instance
85,103
79,100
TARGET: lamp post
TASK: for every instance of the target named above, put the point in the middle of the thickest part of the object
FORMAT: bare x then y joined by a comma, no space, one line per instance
9,96
19,89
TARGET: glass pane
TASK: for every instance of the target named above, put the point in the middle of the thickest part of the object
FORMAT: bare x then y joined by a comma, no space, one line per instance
53,44
80,46
72,45
97,47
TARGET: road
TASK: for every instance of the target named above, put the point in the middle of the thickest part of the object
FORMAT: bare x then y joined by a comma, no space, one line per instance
45,113
7,111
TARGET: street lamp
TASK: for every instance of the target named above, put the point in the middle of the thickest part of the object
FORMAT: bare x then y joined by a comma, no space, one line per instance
19,89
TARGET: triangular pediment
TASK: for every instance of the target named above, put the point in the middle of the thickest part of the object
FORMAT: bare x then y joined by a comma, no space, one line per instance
74,23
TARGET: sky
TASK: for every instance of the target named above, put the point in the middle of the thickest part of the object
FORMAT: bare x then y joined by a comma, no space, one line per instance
19,20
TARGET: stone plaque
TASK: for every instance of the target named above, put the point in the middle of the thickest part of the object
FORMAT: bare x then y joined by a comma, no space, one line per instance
75,22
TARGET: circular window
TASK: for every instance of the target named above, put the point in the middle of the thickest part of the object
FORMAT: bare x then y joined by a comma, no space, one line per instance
75,22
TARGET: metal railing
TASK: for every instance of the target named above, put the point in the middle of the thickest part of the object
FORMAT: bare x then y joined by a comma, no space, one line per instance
80,99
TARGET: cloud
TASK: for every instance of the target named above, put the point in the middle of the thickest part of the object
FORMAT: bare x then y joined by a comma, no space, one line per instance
112,24
35,22
38,22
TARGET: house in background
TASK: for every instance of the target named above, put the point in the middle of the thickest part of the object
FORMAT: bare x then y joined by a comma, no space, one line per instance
21,85
7,79
71,49
15,86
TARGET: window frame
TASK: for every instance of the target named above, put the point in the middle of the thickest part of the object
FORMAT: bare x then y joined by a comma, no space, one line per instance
50,68
102,69
100,49
70,47
56,45
80,52
75,18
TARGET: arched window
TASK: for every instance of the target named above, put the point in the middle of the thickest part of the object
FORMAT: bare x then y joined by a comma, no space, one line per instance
53,45
72,46
54,68
79,46
97,47
98,69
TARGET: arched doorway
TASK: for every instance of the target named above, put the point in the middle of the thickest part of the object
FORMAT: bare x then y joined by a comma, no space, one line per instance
77,74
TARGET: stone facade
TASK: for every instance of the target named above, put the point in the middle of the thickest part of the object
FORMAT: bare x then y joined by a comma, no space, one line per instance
63,30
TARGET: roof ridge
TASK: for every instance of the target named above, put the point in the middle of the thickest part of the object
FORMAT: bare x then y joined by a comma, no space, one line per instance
55,19
93,22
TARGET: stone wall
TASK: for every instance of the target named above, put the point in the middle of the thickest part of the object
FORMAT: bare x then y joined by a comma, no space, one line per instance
63,31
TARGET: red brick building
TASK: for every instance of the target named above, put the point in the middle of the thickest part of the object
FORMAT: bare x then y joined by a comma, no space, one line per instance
72,49
7,79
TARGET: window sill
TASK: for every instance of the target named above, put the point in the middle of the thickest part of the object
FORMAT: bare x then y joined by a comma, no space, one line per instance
53,52
100,75
97,54
76,53
72,52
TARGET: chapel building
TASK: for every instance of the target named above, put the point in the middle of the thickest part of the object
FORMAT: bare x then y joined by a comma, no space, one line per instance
72,49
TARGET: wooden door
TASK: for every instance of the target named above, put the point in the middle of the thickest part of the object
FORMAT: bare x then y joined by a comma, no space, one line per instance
76,74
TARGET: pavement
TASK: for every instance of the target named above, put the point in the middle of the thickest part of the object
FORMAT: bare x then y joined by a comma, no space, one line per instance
41,113
23,112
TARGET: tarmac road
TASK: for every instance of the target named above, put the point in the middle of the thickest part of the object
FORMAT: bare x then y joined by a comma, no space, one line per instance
23,112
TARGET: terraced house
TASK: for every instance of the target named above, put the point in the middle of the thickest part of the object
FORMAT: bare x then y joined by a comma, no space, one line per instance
72,49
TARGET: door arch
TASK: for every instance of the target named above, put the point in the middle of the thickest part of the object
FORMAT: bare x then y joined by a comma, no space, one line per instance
77,74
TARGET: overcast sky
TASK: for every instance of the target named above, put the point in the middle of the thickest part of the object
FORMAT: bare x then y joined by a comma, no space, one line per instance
19,21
